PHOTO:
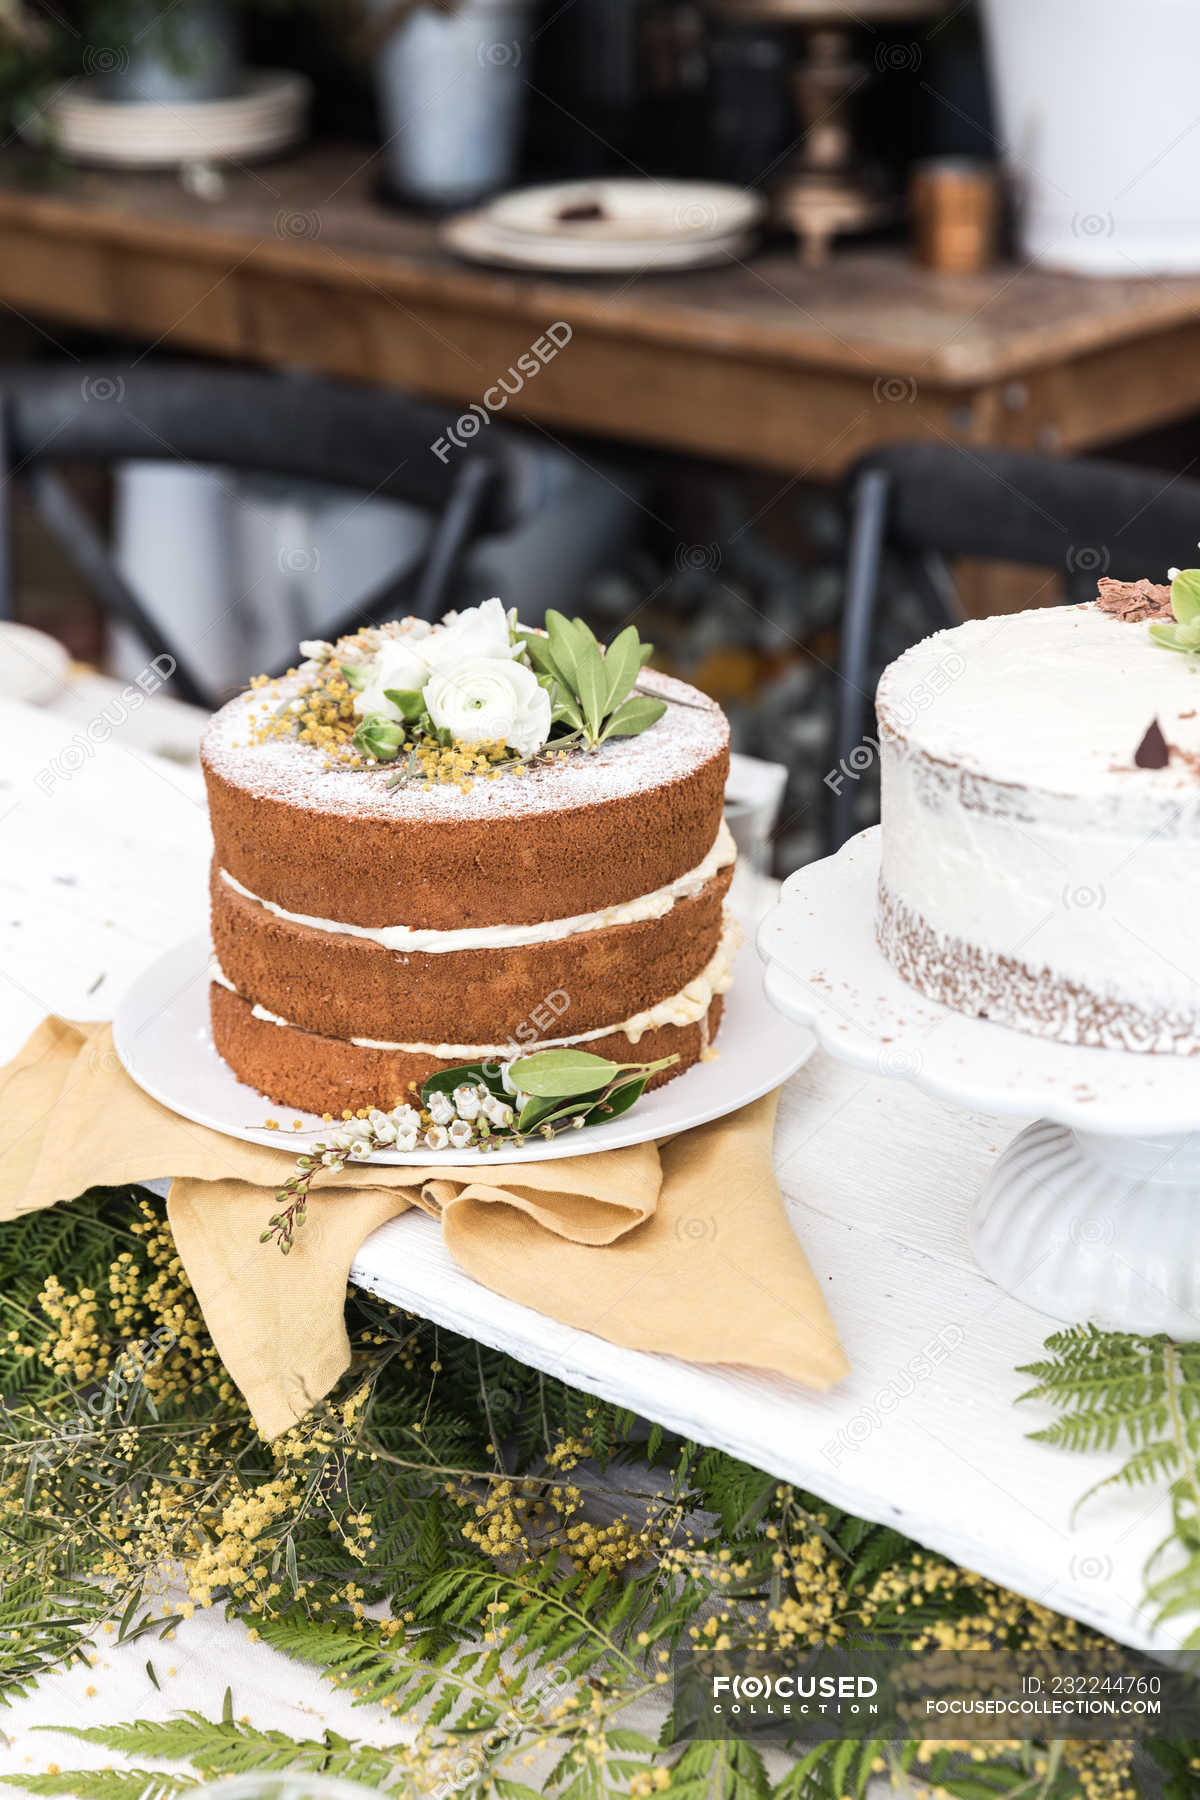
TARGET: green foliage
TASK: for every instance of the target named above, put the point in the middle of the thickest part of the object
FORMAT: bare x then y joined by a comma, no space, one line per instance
226,1748
1119,1391
379,737
1185,596
106,1784
1179,1765
592,688
538,1559
409,703
1184,634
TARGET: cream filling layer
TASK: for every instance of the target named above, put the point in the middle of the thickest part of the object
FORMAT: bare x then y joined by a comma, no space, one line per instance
503,937
684,1008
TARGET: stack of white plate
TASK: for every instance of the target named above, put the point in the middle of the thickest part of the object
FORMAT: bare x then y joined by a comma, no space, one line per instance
610,226
269,114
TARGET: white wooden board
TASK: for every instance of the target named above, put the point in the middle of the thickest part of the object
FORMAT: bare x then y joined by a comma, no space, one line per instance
108,867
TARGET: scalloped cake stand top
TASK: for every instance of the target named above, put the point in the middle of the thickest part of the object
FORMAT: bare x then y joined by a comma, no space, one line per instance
825,970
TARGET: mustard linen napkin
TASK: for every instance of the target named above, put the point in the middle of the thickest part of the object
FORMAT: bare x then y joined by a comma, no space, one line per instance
682,1247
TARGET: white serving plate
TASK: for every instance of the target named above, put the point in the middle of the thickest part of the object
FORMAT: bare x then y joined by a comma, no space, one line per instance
162,1037
634,211
472,235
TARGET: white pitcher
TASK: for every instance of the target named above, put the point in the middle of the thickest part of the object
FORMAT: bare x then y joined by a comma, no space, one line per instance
452,98
1097,101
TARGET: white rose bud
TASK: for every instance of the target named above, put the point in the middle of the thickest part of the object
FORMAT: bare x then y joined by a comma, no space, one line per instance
462,1133
479,631
437,1137
399,665
467,1099
491,701
497,1112
441,1109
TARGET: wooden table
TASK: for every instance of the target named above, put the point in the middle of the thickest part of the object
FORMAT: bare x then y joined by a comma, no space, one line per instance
762,361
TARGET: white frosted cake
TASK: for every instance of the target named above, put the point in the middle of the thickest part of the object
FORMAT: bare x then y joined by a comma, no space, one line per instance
1041,823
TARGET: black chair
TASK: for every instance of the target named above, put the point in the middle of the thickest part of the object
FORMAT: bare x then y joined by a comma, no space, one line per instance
915,505
374,441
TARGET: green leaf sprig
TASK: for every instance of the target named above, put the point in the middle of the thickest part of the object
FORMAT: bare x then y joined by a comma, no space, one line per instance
572,1088
592,688
556,1090
546,1092
1184,634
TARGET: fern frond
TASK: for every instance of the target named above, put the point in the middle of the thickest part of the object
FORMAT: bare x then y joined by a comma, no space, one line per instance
1141,1394
229,1748
105,1784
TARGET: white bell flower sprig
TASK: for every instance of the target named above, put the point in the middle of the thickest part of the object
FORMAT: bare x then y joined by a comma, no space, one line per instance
475,1106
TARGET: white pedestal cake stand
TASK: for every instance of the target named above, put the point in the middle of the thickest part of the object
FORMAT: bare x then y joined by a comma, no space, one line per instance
1091,1213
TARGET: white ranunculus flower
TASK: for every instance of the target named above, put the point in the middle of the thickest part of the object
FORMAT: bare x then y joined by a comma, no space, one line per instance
491,701
399,665
478,632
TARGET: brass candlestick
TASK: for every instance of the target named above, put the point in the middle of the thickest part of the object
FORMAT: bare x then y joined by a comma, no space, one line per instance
824,189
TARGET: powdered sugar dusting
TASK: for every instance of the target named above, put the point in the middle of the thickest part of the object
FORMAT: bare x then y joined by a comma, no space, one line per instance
690,733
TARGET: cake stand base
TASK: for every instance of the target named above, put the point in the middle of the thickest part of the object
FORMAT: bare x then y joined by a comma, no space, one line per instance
1090,1227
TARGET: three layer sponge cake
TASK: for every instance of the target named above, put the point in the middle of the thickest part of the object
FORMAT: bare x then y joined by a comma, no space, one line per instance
369,931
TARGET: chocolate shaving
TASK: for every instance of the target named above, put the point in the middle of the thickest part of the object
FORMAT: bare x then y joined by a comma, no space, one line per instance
1152,752
581,210
1134,601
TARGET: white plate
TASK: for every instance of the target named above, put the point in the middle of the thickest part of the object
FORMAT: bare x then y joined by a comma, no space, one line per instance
161,1035
826,971
269,114
634,211
33,665
473,236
